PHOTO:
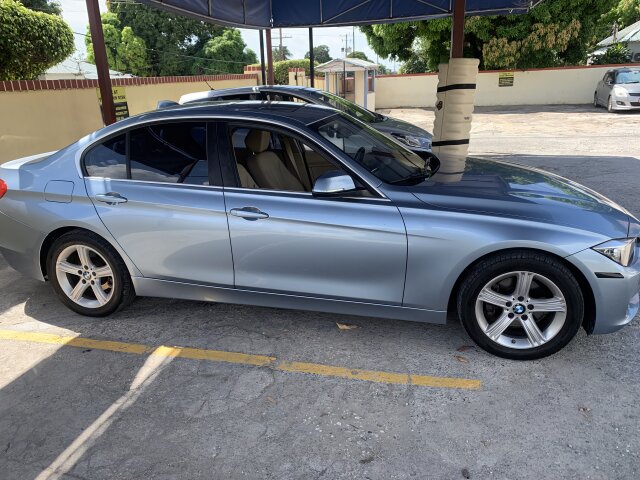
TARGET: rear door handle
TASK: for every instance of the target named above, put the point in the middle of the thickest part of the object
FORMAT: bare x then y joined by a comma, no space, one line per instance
248,213
111,198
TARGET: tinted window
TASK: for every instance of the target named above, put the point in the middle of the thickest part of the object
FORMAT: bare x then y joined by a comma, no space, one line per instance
170,152
108,159
240,96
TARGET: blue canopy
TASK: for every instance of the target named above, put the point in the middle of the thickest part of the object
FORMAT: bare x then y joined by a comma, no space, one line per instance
319,13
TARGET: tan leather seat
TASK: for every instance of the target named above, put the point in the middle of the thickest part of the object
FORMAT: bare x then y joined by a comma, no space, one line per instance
266,168
246,180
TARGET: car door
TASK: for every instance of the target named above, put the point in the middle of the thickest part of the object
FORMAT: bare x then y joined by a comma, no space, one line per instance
156,190
604,89
352,247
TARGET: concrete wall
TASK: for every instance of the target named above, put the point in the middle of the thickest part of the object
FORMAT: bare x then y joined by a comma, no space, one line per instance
569,85
40,116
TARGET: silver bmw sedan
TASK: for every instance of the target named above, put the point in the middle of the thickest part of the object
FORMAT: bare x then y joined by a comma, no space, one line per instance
301,206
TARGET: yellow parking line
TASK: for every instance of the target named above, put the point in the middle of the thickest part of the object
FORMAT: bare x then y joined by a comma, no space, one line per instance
246,359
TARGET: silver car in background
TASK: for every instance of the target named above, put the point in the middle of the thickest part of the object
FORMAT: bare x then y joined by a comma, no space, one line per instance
619,90
300,206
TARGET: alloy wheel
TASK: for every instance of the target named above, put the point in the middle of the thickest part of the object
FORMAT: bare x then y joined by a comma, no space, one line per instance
521,310
85,276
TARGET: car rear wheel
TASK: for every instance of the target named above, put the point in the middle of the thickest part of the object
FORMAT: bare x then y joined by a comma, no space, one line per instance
88,275
521,305
610,108
595,100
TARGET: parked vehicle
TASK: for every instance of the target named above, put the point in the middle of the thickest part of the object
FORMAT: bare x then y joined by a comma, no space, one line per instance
415,138
619,90
300,206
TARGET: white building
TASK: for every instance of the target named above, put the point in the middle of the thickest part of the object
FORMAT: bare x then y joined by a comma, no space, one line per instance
629,36
76,69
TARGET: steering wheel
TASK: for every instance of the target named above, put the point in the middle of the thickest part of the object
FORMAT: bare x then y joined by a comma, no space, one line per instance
359,156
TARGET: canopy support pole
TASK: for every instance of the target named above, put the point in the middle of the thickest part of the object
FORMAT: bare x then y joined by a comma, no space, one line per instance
457,29
262,65
312,67
102,65
270,78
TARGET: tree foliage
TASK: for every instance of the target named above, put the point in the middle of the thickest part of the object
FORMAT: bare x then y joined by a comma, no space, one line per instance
625,13
320,54
281,69
126,52
30,41
359,56
555,33
618,53
226,53
281,55
174,44
45,6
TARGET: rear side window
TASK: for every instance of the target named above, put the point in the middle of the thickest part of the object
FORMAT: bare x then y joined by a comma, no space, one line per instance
164,152
170,152
108,159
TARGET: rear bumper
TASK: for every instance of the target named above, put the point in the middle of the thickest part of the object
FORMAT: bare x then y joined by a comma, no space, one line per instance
616,297
20,246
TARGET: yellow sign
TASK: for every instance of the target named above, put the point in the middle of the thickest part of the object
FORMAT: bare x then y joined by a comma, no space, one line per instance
506,79
119,100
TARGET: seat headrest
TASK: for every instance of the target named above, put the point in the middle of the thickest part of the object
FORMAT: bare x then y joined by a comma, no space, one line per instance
257,140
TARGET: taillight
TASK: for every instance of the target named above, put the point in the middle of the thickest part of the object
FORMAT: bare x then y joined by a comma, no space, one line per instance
3,188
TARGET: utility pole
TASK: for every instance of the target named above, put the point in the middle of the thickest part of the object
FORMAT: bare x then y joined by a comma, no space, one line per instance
354,39
281,51
102,65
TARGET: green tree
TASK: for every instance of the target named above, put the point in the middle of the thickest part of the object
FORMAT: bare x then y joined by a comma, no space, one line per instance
30,41
126,52
172,41
320,54
45,6
624,13
555,33
281,55
358,55
225,53
618,53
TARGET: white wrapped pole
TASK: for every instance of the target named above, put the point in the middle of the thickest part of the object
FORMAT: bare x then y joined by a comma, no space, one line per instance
454,107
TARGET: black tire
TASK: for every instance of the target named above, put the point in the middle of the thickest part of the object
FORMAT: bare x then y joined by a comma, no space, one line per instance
595,100
123,292
538,263
610,105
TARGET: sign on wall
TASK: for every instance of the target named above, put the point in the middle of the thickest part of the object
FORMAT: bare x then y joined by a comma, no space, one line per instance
119,100
506,79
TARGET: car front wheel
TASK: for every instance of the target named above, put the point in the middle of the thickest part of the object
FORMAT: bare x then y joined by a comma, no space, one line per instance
521,305
88,275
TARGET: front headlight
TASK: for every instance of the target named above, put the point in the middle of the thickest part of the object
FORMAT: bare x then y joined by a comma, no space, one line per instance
620,250
620,91
412,141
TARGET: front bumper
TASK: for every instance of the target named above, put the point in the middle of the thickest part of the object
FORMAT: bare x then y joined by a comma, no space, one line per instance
625,103
616,296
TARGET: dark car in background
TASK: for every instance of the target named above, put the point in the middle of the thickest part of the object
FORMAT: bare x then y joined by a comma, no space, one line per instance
415,138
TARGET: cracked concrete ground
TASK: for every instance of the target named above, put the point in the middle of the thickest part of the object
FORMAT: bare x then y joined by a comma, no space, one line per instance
79,413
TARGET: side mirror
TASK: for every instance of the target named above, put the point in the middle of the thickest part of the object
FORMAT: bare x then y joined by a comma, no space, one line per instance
333,182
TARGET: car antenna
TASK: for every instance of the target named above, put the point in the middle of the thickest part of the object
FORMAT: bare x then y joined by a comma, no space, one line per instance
209,85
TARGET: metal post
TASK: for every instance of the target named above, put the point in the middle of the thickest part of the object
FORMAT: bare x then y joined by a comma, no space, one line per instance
102,65
262,65
344,79
270,79
312,67
457,29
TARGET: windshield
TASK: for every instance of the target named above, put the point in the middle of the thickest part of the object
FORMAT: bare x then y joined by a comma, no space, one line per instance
350,108
387,160
628,76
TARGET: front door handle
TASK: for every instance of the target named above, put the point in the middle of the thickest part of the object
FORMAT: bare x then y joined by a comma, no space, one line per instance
111,198
248,213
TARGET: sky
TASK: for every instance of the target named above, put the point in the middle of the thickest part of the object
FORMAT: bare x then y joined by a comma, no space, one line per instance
296,39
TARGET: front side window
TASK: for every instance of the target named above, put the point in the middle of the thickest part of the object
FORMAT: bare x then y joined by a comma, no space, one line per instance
271,160
163,152
381,156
